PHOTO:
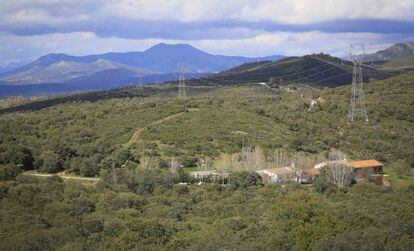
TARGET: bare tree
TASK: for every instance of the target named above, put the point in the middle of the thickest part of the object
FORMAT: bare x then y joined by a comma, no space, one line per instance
278,158
173,165
246,157
235,164
148,163
298,161
259,158
340,173
335,154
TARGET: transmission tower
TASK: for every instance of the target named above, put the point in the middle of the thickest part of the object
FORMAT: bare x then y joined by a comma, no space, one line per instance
357,105
181,81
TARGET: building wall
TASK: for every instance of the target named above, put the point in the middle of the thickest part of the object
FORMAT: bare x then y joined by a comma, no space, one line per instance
282,178
369,173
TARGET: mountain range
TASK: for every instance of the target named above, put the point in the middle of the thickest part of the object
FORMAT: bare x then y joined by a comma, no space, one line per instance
56,73
60,72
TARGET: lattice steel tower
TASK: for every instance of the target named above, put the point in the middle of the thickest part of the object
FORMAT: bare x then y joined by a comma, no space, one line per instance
181,81
357,106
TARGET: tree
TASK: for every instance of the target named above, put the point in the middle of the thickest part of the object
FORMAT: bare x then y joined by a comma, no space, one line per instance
259,158
183,176
89,167
128,200
173,165
9,172
24,157
278,158
246,157
401,168
51,162
296,144
245,179
335,154
148,163
121,156
340,174
15,154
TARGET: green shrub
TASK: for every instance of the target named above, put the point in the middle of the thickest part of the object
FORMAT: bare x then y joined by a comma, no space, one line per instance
243,180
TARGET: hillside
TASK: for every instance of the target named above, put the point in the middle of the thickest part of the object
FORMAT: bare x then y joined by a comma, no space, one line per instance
212,119
396,51
401,63
317,70
129,137
67,71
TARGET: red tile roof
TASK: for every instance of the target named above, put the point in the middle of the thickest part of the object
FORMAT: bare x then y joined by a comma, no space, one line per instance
338,162
282,170
313,171
365,163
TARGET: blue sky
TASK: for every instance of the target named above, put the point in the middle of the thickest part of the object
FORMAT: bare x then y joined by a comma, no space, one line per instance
32,28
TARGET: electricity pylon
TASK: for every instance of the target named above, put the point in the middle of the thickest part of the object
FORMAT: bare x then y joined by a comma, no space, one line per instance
181,81
141,83
357,106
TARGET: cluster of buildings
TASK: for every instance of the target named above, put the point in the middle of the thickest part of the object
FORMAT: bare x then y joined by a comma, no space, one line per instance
283,175
370,170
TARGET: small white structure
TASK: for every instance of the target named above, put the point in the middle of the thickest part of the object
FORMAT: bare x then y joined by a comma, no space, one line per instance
320,165
278,175
203,174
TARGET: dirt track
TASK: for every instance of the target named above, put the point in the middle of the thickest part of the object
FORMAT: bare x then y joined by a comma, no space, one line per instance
135,136
63,176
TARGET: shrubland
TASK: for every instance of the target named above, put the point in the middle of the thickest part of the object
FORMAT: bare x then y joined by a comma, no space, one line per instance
142,206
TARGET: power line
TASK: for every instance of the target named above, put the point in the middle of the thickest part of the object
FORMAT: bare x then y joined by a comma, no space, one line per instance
313,68
314,74
333,77
386,72
284,76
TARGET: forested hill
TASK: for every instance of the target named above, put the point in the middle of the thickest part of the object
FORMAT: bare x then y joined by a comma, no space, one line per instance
207,122
138,204
317,69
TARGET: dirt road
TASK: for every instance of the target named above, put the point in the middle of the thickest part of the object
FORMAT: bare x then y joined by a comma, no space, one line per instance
63,176
135,136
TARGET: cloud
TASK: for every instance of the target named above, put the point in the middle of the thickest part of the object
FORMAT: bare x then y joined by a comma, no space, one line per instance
305,11
200,19
298,43
31,28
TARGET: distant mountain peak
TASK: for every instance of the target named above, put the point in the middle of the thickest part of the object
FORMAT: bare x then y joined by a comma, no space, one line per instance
395,51
115,68
53,58
163,47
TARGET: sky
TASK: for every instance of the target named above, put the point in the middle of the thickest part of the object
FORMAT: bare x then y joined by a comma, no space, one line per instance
32,28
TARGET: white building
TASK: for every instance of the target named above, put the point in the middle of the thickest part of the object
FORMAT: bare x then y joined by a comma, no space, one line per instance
278,175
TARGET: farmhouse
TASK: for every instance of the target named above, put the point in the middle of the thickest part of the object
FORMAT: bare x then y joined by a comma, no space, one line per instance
309,176
278,175
372,170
